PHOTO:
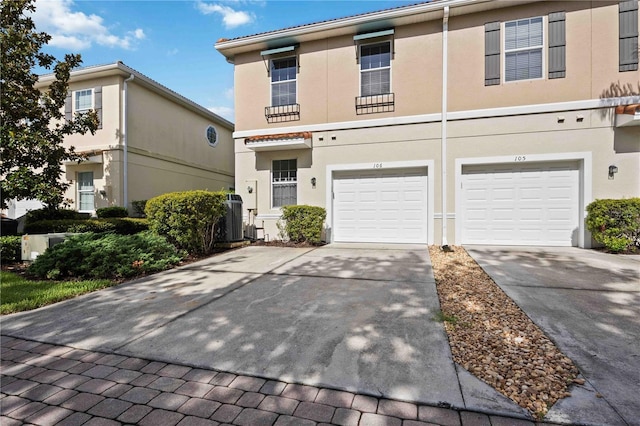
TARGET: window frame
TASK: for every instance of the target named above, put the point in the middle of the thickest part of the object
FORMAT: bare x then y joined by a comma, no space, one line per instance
75,100
374,42
273,183
541,47
80,192
272,83
215,133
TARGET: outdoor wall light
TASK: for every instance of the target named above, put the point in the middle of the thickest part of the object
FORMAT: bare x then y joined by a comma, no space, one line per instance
250,189
313,181
103,192
612,171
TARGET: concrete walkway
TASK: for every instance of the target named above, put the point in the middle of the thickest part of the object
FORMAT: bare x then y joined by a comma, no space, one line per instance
588,303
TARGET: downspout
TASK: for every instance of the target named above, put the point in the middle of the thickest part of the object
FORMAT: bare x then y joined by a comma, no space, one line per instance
125,153
443,158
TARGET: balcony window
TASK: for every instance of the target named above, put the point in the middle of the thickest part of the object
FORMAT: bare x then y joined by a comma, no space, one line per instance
375,69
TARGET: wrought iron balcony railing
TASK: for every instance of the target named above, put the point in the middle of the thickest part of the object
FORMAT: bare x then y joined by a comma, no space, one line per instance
280,113
384,102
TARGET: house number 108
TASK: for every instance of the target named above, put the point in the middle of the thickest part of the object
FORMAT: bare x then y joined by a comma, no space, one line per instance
377,165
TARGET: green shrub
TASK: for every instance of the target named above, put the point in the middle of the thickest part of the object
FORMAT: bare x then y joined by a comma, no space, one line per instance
106,256
138,207
10,249
302,223
54,214
188,219
615,223
114,211
123,226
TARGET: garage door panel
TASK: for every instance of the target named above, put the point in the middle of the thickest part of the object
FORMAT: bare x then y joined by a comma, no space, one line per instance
388,206
533,204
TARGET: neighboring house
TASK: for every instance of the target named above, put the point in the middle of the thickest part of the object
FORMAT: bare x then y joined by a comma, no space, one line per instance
150,141
504,112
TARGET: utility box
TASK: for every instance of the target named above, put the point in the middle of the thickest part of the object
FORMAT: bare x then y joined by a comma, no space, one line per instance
34,245
230,226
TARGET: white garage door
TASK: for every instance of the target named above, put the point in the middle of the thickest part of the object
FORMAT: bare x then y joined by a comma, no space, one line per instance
517,204
388,206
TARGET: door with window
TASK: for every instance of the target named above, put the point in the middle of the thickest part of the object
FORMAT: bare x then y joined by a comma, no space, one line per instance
86,192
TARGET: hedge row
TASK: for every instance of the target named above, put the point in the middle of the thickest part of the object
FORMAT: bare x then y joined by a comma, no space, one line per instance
123,226
108,256
115,211
54,214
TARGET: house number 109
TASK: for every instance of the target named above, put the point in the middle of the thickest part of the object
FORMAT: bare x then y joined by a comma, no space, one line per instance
520,158
377,165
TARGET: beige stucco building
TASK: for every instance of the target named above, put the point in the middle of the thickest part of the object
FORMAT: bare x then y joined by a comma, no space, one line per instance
448,122
150,141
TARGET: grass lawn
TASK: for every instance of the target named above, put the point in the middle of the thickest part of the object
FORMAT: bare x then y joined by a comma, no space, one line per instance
18,294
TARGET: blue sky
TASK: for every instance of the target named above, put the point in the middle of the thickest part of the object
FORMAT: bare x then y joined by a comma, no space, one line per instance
172,41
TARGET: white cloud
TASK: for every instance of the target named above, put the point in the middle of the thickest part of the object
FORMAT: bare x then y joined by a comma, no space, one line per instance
138,33
223,111
76,30
231,18
229,93
172,52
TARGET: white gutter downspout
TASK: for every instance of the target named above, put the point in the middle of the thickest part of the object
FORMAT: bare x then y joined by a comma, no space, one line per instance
443,159
125,159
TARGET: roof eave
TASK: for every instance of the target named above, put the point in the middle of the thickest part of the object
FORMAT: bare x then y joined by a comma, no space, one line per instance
354,24
120,69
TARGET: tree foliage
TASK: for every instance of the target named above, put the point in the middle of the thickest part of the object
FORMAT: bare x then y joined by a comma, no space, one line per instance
32,123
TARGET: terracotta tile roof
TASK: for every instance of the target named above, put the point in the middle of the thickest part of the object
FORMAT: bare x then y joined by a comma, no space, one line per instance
296,135
628,109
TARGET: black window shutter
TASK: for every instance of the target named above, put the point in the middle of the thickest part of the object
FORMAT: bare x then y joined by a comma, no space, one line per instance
97,101
628,27
492,53
557,45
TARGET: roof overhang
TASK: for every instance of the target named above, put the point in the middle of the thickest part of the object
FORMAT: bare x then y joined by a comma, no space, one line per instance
300,140
628,115
367,22
91,157
124,71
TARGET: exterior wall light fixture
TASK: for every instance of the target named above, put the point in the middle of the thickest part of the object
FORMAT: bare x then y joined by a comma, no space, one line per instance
313,182
612,171
250,189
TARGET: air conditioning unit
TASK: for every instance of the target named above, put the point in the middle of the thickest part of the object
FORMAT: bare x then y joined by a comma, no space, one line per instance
34,245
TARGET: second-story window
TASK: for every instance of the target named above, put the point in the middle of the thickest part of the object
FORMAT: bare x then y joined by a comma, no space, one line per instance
83,100
375,69
523,44
283,81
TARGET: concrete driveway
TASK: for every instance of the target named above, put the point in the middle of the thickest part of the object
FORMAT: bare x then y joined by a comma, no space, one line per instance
588,303
358,318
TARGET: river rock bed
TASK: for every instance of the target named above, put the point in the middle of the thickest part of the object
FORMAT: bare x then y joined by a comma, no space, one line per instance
491,337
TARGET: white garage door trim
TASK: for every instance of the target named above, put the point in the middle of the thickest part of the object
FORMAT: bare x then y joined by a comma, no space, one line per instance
584,190
336,168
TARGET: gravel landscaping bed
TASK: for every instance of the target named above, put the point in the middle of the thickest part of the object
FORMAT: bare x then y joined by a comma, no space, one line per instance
492,338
